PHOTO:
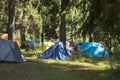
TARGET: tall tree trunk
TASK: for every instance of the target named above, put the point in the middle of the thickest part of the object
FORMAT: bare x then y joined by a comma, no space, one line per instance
22,35
42,39
22,28
84,38
62,28
91,37
11,19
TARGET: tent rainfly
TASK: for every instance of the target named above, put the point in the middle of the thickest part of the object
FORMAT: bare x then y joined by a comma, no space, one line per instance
57,52
9,51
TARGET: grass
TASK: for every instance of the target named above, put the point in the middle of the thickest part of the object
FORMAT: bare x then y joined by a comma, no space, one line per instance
77,68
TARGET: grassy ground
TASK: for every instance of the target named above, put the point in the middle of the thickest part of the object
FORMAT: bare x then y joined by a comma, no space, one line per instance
77,68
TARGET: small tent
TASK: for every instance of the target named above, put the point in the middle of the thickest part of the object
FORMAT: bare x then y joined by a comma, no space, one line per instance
93,49
9,51
5,36
31,44
57,51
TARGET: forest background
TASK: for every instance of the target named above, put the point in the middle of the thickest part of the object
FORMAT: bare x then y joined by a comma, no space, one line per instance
62,20
73,20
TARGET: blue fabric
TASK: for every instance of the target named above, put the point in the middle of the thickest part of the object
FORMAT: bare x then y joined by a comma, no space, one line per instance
57,51
9,51
93,49
31,44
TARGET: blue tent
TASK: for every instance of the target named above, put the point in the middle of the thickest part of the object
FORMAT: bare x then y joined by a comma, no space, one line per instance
57,51
31,44
93,49
10,52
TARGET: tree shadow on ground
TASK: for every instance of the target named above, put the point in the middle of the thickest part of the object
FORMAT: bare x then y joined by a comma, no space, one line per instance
40,69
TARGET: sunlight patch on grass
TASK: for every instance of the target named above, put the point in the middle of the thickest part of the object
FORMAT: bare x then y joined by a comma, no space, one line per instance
32,57
76,62
51,61
102,66
78,65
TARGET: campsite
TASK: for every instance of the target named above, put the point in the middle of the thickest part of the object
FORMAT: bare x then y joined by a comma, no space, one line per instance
44,69
60,40
81,67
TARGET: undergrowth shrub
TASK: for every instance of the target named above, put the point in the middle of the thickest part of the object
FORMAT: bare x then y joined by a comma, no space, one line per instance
116,61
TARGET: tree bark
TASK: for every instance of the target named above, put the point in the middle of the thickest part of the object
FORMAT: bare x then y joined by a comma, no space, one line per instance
11,19
22,28
62,28
22,34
